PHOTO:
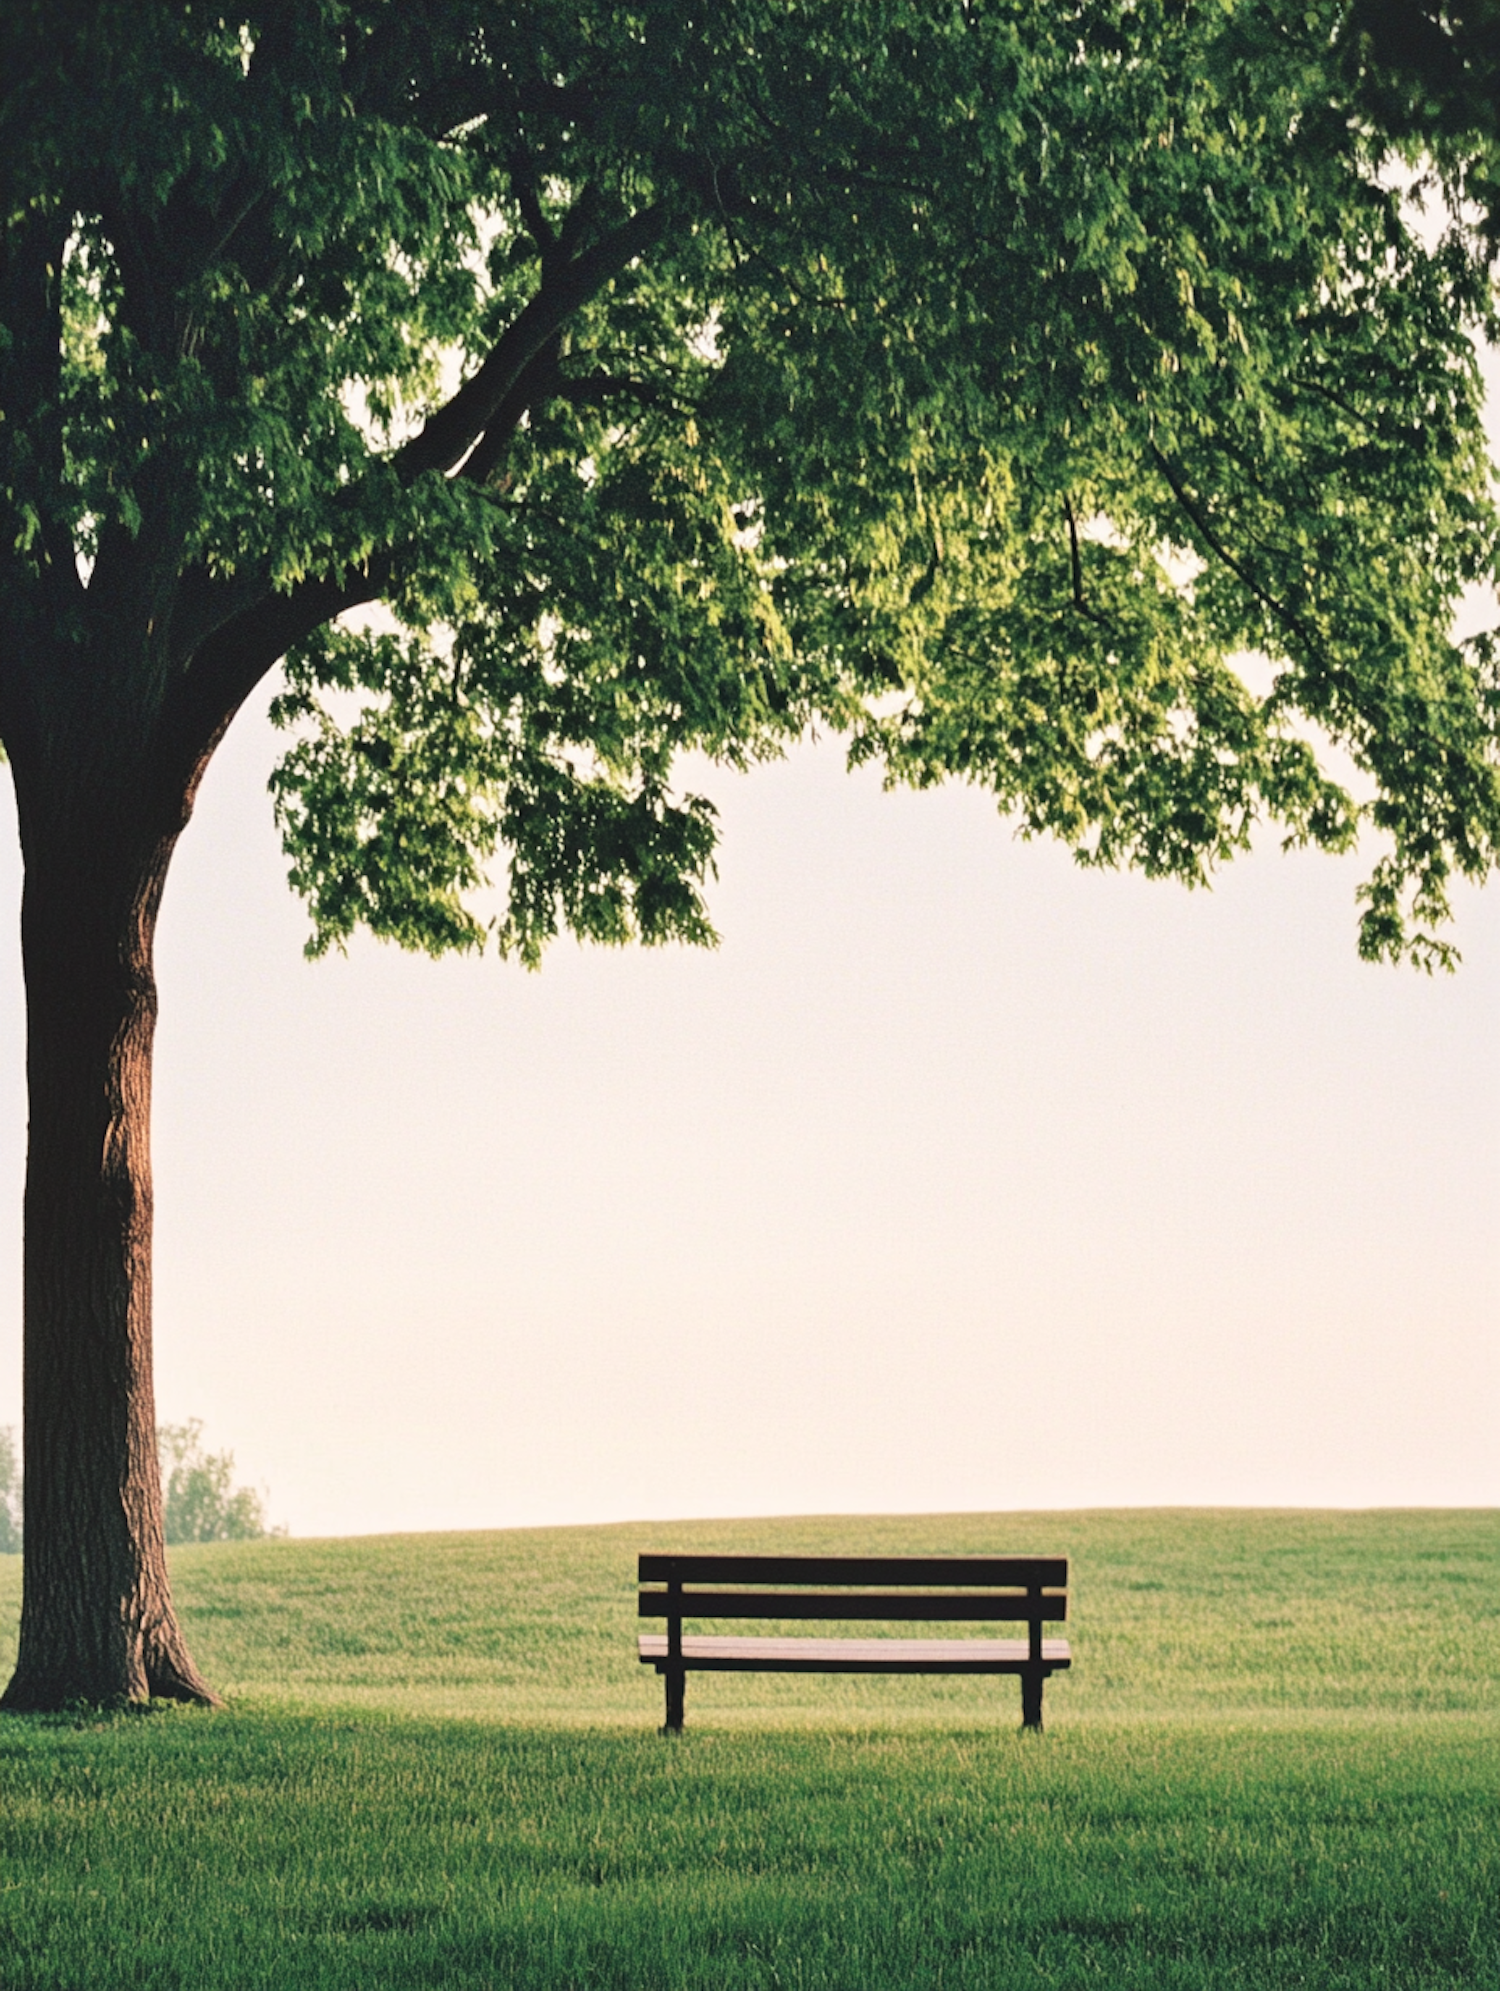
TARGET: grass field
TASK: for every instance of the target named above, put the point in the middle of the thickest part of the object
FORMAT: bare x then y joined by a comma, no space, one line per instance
1276,1763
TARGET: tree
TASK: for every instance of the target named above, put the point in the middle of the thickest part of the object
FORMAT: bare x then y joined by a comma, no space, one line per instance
977,380
10,1495
200,1502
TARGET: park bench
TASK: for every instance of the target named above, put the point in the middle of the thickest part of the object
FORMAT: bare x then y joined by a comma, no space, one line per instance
933,1589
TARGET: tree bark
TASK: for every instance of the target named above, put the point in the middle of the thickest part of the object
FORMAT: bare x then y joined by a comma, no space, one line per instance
97,1623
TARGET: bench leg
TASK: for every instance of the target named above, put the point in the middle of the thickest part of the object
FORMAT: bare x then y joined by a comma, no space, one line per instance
1031,1699
676,1678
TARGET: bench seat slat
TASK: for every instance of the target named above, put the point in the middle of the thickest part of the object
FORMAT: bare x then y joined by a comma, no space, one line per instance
854,1655
974,1571
913,1605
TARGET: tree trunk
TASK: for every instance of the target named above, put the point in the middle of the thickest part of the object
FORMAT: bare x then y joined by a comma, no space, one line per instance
97,1623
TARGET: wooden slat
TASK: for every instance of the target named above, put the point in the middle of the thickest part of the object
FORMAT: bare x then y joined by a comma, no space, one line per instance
974,1571
855,1655
955,1608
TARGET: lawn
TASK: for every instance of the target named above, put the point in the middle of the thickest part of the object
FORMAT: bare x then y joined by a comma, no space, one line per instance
1276,1763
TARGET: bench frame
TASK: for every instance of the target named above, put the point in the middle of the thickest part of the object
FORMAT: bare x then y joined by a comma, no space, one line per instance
932,1589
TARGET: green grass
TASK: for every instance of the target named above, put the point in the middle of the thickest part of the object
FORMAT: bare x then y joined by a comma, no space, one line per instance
1276,1763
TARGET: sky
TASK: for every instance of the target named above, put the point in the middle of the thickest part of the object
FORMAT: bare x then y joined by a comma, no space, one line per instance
957,1179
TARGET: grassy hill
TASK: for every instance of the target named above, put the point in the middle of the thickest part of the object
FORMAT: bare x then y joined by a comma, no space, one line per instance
1276,1763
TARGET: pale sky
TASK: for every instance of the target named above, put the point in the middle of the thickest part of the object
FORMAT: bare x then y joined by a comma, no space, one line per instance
956,1179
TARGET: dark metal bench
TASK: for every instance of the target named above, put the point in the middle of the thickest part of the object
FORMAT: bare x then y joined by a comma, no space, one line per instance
932,1588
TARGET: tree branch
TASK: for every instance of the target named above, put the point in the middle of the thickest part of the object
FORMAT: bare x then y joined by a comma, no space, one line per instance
453,429
1083,607
229,634
201,703
1278,610
1073,548
535,385
528,199
542,381
488,406
594,387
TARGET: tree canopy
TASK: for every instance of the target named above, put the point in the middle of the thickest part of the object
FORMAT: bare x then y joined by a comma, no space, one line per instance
978,381
1424,75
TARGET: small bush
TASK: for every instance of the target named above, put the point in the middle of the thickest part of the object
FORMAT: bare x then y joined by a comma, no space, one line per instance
199,1504
10,1494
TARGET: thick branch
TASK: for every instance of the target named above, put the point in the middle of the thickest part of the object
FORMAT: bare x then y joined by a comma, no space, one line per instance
217,617
453,429
234,635
207,603
535,385
233,661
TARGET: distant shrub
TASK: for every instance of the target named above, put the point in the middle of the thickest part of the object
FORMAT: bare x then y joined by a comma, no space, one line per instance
198,1502
10,1494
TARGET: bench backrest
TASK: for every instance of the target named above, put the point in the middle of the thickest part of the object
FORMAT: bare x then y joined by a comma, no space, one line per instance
934,1588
